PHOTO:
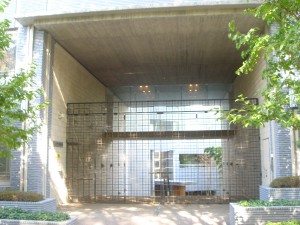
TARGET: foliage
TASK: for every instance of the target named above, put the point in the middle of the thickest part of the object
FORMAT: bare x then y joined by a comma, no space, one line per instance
14,90
19,214
216,154
258,203
20,196
286,182
281,52
5,38
284,223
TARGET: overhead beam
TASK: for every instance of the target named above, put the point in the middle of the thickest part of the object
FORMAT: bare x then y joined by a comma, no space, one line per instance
205,134
135,13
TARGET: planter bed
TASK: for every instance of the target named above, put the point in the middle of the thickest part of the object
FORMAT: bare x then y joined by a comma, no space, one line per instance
70,221
49,204
271,194
239,215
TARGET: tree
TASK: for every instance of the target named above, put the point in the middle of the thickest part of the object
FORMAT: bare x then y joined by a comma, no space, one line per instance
281,50
16,89
216,154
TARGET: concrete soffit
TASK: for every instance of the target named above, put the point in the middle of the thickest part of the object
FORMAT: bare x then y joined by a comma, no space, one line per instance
154,46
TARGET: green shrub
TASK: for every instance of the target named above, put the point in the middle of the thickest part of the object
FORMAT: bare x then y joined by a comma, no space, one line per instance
19,214
284,223
20,196
257,203
286,182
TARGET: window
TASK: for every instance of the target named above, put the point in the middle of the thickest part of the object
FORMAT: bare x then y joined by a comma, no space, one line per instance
193,160
163,165
4,168
162,125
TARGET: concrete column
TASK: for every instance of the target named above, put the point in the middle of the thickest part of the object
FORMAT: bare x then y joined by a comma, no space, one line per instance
37,166
23,58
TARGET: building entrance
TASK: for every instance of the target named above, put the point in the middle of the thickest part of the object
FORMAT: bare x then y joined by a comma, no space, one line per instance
160,151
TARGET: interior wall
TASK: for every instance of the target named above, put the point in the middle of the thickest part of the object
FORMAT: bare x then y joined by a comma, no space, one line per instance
249,86
71,83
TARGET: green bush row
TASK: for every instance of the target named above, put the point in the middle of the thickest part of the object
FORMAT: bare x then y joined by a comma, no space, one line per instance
286,182
284,223
257,203
20,196
19,214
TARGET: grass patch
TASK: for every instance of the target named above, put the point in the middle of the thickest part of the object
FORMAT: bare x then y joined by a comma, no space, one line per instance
20,214
257,203
284,223
20,196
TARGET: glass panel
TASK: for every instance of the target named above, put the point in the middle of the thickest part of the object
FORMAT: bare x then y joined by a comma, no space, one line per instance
4,168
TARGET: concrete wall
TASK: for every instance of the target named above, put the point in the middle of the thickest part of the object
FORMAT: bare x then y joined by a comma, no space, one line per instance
33,7
274,140
71,83
249,86
241,164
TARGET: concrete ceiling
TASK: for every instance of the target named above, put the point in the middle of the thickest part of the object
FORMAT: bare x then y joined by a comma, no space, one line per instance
152,47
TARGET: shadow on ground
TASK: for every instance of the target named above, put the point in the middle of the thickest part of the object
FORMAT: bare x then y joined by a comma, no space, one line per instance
148,214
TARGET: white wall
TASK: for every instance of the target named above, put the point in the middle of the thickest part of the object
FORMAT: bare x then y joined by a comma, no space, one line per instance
71,83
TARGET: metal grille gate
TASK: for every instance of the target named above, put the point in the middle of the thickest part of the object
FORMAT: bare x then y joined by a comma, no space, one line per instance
157,151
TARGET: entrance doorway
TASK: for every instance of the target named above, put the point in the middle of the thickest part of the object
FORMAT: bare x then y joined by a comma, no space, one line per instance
171,151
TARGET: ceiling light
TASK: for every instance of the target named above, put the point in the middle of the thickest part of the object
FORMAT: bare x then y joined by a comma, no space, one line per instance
145,88
193,87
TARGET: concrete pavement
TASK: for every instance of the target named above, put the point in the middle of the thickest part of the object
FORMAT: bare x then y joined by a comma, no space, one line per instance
148,214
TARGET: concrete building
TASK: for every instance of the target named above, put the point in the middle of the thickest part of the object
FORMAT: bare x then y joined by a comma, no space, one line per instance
134,88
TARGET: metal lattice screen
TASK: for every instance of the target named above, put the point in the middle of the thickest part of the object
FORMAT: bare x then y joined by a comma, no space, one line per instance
159,151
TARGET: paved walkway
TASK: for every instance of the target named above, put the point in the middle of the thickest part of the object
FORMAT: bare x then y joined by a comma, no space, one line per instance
148,214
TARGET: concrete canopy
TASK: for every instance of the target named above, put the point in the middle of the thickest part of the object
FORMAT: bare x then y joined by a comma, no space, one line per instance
159,46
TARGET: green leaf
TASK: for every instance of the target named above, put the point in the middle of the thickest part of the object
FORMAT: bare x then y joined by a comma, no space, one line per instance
281,52
14,90
232,25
